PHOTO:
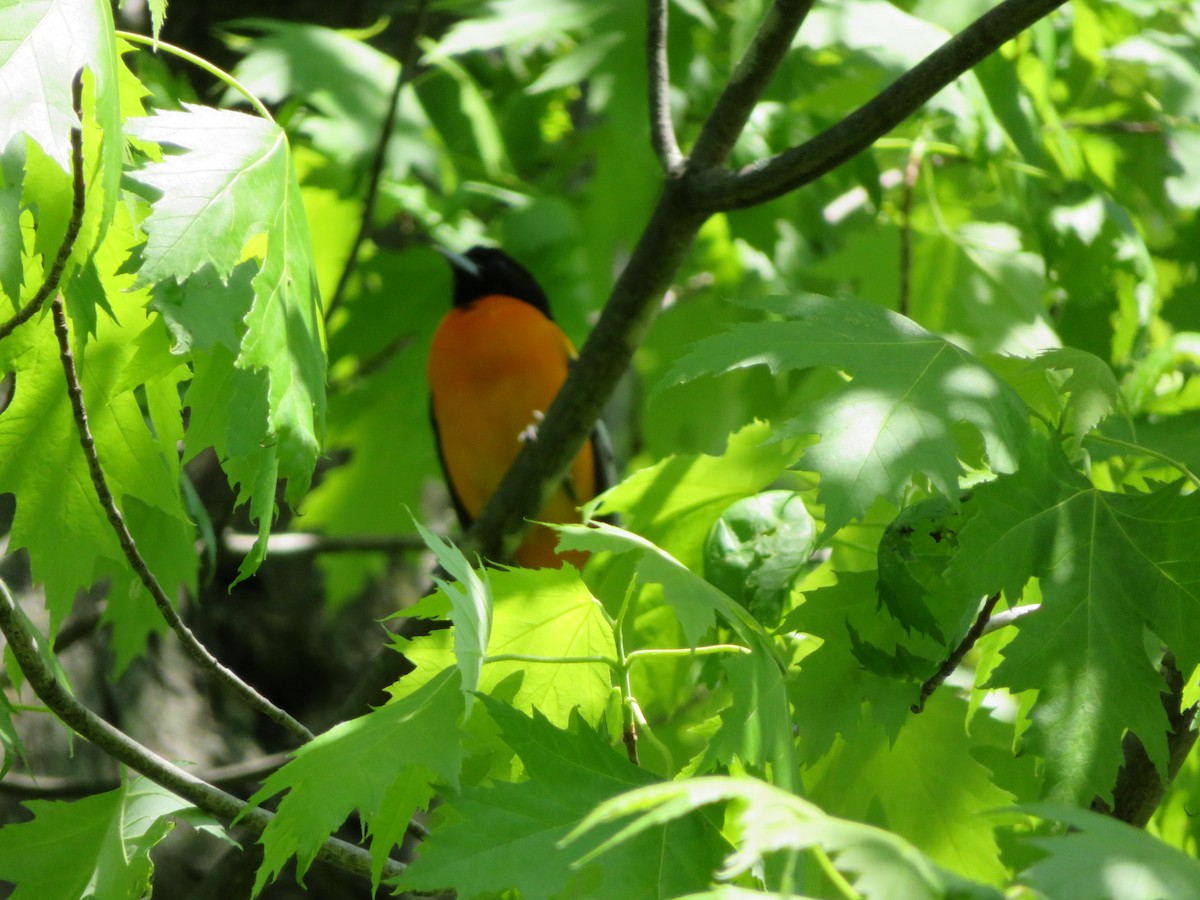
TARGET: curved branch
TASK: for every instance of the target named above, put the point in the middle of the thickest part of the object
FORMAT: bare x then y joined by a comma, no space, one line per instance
134,556
662,131
54,276
749,79
718,189
408,64
125,749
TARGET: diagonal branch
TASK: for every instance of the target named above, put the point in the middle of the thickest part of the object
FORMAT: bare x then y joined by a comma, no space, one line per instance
122,747
134,556
54,275
765,180
977,630
749,79
408,64
662,131
1139,790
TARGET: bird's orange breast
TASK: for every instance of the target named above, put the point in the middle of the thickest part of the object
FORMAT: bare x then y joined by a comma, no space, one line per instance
494,367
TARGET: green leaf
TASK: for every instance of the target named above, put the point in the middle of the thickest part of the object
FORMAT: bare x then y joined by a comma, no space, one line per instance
43,43
10,739
767,821
1103,857
508,836
1109,567
58,517
158,13
226,188
923,784
383,764
913,554
759,729
978,286
206,310
1091,386
381,421
898,418
758,549
516,23
42,465
547,613
12,241
470,598
95,847
675,502
833,684
234,184
577,64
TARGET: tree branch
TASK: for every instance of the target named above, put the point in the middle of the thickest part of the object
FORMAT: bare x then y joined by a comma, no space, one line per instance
136,561
626,318
717,189
749,79
122,747
954,659
662,131
54,276
408,63
1139,789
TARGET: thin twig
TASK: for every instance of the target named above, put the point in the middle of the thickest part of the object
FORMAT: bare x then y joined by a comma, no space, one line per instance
136,561
301,543
125,749
750,78
912,172
54,276
408,63
658,70
718,190
935,681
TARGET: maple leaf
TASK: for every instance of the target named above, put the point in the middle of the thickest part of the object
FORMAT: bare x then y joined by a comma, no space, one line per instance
901,414
1110,566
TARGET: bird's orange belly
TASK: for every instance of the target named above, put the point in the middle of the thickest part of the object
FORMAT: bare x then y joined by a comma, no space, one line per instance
494,369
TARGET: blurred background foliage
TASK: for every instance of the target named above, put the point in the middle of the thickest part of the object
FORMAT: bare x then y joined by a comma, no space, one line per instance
1046,200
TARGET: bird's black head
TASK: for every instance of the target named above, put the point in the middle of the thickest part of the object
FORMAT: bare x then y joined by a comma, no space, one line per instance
489,270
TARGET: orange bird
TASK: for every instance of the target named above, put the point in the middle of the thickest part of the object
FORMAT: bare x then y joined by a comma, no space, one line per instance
496,362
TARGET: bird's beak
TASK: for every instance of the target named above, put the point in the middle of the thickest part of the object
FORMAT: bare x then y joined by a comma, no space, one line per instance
458,261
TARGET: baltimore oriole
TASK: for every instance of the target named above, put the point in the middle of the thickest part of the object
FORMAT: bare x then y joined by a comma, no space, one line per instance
496,362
